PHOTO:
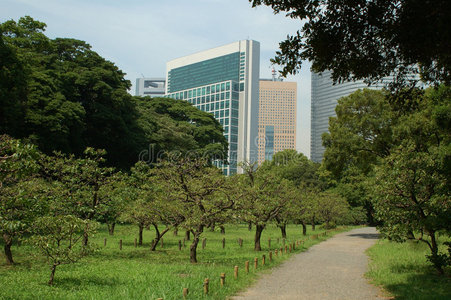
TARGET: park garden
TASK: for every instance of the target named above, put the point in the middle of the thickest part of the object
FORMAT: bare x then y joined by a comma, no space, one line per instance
107,195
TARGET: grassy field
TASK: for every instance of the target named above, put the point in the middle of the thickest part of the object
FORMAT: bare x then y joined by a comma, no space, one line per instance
138,273
403,271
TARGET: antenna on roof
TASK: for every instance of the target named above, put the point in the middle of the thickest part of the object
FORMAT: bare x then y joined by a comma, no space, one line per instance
143,75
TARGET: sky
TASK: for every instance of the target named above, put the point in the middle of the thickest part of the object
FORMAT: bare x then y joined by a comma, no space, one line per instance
140,36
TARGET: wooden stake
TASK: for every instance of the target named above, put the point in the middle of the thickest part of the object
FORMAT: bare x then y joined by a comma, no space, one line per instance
120,244
281,251
104,242
290,248
184,242
235,272
270,256
263,260
286,248
135,243
269,243
276,252
223,243
246,266
180,245
204,243
185,293
162,243
206,286
255,263
222,279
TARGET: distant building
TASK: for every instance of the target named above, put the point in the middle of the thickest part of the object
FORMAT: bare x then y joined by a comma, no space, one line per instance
224,82
153,87
277,117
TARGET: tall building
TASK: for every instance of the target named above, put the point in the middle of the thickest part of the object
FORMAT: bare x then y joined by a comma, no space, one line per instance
224,82
324,97
153,87
276,117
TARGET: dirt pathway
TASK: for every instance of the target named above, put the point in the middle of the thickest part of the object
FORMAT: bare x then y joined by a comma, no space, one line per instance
332,269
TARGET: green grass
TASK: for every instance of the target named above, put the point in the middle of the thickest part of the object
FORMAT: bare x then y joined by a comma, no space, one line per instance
138,273
403,271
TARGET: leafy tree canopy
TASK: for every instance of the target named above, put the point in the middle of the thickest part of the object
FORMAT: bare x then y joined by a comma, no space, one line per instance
367,38
62,96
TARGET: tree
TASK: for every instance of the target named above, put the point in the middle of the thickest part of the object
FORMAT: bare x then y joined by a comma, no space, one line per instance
60,239
82,179
19,197
367,39
261,197
412,184
330,208
70,97
359,137
176,126
198,192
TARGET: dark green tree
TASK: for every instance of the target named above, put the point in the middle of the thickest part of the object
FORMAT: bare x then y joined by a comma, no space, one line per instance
367,39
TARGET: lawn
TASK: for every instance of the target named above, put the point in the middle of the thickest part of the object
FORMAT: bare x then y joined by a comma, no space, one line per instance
139,273
403,271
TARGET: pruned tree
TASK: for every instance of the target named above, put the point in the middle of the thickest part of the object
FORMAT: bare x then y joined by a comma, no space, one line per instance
261,197
20,201
60,238
198,192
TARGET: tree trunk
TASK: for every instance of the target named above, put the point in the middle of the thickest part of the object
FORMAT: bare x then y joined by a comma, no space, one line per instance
212,227
140,236
313,223
8,243
435,259
52,274
249,226
193,247
187,235
258,234
111,228
283,229
410,235
304,228
158,236
85,235
176,231
222,229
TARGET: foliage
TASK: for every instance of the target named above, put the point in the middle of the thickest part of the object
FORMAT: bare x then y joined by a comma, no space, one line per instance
20,194
60,239
330,208
197,192
367,39
262,196
177,127
413,183
63,96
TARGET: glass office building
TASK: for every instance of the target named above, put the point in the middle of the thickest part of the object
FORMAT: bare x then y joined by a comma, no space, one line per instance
224,82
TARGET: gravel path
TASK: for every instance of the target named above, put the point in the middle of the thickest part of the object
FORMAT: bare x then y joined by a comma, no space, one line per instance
332,269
